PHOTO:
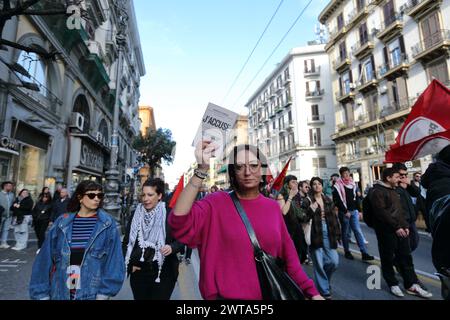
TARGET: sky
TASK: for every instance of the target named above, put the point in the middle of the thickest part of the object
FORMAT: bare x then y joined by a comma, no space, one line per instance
193,50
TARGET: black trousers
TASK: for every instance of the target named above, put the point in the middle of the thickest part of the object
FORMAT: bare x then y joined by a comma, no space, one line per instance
40,227
440,251
144,286
395,251
188,253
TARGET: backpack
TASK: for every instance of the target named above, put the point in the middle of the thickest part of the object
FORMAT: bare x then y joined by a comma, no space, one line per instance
368,214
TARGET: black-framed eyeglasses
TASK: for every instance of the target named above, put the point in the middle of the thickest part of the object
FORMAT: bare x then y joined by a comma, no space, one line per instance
99,195
403,174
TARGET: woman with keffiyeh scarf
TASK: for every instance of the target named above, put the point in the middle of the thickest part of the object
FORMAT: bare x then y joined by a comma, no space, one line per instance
149,249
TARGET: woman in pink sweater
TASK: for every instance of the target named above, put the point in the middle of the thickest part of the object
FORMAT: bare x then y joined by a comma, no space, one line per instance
227,265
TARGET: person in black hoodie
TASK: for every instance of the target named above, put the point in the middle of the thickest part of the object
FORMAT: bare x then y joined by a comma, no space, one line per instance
437,182
149,249
41,217
21,212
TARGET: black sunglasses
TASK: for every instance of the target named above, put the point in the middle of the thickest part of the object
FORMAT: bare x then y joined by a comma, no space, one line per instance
91,196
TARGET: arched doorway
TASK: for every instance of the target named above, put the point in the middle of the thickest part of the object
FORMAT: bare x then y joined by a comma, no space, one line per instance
81,106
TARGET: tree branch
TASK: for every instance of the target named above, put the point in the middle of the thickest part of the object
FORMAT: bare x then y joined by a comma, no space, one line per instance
8,13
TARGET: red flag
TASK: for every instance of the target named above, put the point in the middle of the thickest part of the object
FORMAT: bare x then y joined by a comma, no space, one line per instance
278,183
177,192
269,179
427,128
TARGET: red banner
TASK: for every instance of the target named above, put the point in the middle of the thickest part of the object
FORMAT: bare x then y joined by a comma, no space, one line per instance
427,128
177,192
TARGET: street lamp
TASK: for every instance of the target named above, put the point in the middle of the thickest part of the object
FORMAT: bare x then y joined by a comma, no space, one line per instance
112,200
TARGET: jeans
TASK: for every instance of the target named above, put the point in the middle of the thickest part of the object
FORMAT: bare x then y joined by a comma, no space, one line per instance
4,230
353,223
21,232
326,261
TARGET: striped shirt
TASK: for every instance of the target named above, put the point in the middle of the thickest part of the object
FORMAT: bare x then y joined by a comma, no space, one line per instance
82,229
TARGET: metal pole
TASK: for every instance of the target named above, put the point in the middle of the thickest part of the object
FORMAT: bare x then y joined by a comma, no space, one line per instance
112,196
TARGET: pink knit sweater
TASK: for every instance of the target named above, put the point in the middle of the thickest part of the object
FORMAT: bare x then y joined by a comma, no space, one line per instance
227,266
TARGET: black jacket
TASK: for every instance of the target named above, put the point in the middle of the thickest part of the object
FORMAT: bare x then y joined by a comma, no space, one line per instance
350,199
171,262
437,182
42,211
59,208
334,229
387,208
25,209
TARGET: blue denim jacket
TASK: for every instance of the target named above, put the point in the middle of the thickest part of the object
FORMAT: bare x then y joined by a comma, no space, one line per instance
102,269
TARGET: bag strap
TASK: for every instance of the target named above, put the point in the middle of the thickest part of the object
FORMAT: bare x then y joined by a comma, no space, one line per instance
251,233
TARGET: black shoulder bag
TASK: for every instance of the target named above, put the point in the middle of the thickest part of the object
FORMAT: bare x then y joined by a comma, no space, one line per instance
275,283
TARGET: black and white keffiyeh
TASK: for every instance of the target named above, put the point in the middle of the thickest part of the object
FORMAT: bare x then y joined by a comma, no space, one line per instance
149,228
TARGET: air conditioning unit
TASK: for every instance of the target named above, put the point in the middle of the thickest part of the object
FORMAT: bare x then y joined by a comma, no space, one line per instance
359,101
76,121
352,86
370,150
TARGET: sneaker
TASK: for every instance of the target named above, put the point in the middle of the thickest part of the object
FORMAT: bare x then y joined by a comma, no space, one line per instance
4,246
367,257
188,261
422,285
37,251
349,255
352,240
17,248
366,242
416,290
396,291
327,297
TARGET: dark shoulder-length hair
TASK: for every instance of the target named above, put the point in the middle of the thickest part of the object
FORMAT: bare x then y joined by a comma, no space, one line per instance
82,188
232,158
157,183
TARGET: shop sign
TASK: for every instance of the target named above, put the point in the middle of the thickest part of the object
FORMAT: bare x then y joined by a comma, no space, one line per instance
91,157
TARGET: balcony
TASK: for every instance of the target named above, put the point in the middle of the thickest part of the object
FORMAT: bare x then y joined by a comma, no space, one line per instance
316,119
432,47
278,109
418,8
395,68
346,96
361,50
397,109
367,85
358,14
337,34
391,27
287,81
341,63
313,72
314,95
287,102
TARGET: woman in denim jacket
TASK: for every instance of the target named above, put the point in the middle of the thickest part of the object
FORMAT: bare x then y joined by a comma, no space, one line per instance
81,258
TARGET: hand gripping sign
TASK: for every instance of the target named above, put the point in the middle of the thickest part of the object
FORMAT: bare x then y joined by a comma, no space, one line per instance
217,125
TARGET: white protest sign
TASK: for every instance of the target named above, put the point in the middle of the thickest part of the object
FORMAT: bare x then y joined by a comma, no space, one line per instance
217,123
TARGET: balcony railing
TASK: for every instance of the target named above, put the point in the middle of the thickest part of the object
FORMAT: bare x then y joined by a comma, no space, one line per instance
316,119
314,94
414,8
341,62
396,65
390,26
360,49
395,107
433,46
312,72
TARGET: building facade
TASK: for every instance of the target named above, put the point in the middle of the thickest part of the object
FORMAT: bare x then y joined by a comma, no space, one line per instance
384,53
291,115
147,117
61,131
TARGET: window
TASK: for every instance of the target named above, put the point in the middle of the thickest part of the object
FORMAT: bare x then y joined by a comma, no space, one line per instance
320,162
342,51
360,4
279,82
274,125
389,13
340,21
313,87
315,112
431,32
310,66
286,74
394,53
439,71
314,137
367,70
363,34
345,82
33,64
290,117
291,140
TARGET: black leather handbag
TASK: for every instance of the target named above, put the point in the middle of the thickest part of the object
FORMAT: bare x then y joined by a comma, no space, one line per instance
275,283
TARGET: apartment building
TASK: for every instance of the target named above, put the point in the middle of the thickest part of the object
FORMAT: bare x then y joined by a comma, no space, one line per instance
291,114
383,53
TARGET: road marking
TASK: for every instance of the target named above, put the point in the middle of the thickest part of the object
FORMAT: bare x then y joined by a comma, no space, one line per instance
15,261
427,277
8,265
